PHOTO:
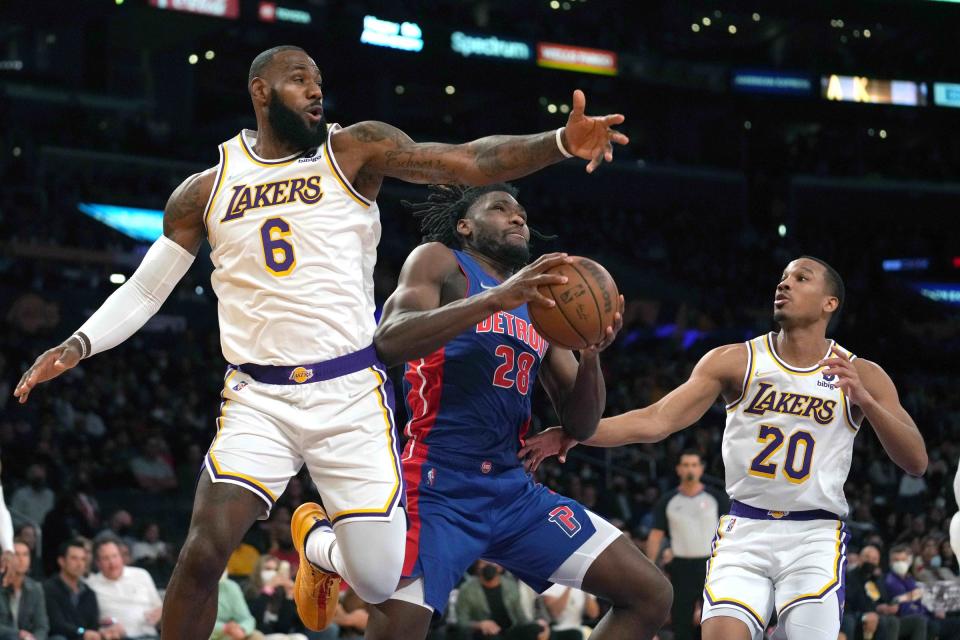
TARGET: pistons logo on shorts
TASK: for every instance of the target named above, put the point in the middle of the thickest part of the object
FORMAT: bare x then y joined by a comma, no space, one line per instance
563,517
486,466
301,375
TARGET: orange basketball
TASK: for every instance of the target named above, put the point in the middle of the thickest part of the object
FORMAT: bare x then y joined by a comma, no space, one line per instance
585,306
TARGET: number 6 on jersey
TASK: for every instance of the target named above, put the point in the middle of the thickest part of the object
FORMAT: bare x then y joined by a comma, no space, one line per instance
278,254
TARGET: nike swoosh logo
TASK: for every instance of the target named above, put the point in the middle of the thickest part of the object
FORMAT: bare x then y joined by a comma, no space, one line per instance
487,286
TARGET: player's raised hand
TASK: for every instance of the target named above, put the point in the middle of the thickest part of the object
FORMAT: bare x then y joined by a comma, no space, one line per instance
848,378
522,287
549,442
591,137
609,335
49,365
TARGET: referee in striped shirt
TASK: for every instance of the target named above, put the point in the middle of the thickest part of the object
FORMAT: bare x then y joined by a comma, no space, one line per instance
688,516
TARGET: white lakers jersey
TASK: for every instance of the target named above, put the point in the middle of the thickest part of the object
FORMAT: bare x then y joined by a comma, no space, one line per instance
788,442
294,246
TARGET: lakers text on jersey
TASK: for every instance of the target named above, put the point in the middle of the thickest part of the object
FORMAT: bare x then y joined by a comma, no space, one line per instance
294,247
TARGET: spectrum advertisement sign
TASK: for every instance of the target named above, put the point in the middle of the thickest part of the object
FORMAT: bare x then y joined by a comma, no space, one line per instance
490,47
570,58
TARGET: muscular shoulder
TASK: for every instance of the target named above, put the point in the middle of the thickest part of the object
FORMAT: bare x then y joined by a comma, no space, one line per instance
872,374
433,258
187,202
727,361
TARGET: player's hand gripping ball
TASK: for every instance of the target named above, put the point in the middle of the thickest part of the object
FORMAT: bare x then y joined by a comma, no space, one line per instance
585,305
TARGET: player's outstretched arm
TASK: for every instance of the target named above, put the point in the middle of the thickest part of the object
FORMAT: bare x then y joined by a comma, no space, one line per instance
388,151
720,369
130,306
414,324
681,407
868,386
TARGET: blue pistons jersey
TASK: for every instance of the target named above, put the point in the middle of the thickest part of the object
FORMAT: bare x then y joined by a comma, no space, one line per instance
468,496
472,396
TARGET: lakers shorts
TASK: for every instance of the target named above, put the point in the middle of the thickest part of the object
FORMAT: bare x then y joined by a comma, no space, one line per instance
769,561
336,417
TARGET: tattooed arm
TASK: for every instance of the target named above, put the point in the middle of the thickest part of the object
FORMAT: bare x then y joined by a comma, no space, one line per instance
384,150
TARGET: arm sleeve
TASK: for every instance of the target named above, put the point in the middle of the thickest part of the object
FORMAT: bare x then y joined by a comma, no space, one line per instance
130,306
6,525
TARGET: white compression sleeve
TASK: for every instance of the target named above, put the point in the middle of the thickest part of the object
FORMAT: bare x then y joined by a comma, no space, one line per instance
6,525
130,306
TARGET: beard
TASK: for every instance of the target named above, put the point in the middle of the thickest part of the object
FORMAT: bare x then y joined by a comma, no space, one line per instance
290,126
510,255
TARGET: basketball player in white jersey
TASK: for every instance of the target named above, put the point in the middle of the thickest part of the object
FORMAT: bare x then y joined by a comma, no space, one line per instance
290,213
795,401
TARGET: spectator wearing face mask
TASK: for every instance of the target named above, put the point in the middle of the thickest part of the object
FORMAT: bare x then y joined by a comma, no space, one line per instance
903,591
868,613
928,566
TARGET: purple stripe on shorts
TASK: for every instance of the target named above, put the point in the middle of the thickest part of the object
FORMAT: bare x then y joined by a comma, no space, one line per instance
317,372
742,510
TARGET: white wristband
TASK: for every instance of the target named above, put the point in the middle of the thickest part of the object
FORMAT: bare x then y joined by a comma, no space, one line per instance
566,154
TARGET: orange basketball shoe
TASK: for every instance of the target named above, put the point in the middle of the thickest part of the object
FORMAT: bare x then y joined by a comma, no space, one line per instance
316,592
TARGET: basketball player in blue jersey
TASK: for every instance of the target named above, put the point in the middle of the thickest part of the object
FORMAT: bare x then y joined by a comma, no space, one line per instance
795,401
290,213
459,320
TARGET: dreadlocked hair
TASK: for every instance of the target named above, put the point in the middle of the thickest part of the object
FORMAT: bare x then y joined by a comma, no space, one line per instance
448,203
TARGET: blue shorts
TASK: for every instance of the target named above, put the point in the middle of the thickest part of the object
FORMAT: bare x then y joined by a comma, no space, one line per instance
460,511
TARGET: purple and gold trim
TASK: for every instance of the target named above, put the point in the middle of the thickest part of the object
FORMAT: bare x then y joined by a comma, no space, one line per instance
262,162
747,376
837,582
731,602
337,173
218,183
213,467
385,398
316,372
807,371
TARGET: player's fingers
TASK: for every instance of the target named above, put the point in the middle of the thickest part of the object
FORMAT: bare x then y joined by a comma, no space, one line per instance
579,104
545,279
613,119
538,298
549,261
596,162
619,138
840,354
22,384
608,152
